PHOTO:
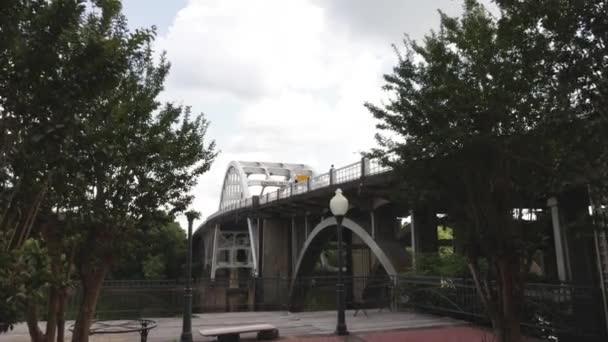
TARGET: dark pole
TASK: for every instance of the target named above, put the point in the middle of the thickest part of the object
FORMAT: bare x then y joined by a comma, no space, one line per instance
341,326
187,323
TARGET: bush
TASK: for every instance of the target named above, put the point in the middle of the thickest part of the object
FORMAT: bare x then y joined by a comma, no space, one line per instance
447,265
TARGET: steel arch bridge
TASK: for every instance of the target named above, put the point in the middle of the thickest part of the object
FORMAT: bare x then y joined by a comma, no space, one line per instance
236,244
245,179
274,227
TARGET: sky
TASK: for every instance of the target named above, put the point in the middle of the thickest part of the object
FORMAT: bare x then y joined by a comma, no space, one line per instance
282,80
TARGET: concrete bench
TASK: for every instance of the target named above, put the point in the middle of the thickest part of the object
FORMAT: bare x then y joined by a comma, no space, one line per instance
232,334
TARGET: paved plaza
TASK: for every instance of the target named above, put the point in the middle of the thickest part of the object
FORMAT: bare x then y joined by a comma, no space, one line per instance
305,326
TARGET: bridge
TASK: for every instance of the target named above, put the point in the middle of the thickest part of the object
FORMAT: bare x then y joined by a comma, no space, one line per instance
273,221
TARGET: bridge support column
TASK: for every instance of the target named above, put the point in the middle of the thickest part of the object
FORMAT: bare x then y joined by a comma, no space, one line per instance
581,266
384,224
252,226
216,232
425,226
276,261
299,225
424,233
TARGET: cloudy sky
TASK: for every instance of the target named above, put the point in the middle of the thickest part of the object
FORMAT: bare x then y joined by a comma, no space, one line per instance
282,80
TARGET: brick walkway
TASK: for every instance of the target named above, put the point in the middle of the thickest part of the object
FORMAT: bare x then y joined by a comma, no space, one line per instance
306,326
438,334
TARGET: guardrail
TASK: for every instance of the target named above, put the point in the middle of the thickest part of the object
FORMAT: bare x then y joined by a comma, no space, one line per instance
364,167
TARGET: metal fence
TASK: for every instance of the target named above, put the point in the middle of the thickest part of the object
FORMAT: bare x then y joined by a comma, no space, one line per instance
549,309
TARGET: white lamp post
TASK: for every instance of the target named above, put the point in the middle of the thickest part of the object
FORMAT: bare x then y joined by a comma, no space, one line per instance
339,206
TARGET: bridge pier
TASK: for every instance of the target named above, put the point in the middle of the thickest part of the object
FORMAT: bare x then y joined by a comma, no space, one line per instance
425,231
276,255
275,261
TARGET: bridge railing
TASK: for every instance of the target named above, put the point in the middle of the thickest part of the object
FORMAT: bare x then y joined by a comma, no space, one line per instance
364,167
320,181
376,167
347,173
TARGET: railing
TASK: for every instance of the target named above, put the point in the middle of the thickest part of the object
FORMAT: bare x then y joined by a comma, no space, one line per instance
549,310
364,167
376,167
347,173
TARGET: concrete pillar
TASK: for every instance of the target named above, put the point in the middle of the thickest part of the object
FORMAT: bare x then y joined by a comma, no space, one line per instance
385,223
460,236
424,228
578,241
275,261
276,248
254,243
372,220
558,240
294,243
365,167
581,255
214,252
300,225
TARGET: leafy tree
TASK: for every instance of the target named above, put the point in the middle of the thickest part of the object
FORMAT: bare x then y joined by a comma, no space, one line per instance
153,267
162,244
35,76
91,157
479,120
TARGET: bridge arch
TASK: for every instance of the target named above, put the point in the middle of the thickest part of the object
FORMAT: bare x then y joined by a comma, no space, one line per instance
239,179
235,185
312,249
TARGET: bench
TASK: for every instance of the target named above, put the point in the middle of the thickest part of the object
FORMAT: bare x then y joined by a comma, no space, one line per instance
232,334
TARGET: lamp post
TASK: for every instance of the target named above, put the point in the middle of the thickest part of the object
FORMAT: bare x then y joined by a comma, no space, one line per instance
187,322
339,206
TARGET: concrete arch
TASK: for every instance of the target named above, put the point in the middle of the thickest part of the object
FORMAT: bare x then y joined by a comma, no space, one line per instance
306,259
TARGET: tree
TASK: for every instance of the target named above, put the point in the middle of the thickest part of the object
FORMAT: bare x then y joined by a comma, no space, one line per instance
477,115
34,77
92,152
160,246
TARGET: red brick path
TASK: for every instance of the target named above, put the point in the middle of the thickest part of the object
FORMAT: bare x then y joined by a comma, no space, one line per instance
446,334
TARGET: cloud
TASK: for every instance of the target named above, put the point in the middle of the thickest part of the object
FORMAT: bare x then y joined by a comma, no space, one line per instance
286,80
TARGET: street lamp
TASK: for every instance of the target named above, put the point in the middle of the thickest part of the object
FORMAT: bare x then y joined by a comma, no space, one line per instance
187,322
339,206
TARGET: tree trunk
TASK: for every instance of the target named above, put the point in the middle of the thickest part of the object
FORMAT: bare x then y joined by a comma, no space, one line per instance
503,308
507,325
51,323
92,280
32,323
63,297
36,334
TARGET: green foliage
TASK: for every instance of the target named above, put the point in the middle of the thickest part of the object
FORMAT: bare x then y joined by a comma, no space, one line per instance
480,110
25,276
446,265
445,233
488,115
162,243
154,267
85,138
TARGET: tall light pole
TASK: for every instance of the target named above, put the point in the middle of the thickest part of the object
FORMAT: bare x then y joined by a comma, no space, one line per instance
187,322
339,206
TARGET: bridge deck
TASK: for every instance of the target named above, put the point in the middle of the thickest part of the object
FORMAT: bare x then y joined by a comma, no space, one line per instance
289,324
